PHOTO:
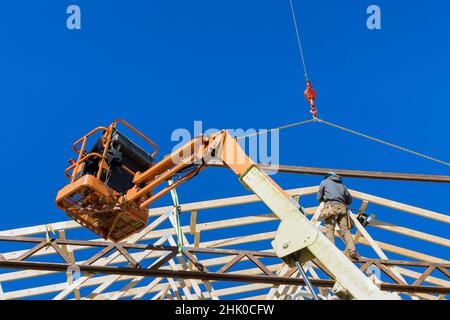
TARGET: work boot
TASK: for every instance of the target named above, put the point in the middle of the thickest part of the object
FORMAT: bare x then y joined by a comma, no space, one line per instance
355,255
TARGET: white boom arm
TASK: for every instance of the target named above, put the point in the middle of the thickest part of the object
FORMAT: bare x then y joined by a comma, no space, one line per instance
298,239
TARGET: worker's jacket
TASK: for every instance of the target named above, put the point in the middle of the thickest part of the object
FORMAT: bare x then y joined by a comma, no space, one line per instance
332,189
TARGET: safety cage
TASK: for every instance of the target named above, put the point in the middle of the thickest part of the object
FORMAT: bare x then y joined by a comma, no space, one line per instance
99,180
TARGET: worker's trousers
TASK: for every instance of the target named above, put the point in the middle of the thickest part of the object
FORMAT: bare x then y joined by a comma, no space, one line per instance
336,213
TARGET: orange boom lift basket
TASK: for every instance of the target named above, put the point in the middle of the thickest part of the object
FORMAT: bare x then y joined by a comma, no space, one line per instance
112,185
100,179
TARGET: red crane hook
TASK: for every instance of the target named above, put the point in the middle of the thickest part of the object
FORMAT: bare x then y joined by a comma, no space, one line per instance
310,96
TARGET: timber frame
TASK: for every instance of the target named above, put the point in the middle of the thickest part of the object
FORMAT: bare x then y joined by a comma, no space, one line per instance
148,265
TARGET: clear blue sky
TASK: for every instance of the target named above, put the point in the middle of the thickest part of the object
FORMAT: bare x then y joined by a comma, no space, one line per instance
232,64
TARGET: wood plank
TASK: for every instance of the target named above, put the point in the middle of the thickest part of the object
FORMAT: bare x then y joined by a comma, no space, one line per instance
406,252
259,264
127,256
357,236
61,253
69,252
375,246
410,233
193,260
358,173
391,274
401,206
444,271
225,202
231,263
196,244
27,231
147,288
193,222
32,251
163,260
422,278
99,254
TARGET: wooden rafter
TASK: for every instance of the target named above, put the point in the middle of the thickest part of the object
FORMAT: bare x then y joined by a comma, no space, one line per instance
434,272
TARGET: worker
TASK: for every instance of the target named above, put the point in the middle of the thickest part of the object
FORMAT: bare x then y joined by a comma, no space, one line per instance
336,198
310,96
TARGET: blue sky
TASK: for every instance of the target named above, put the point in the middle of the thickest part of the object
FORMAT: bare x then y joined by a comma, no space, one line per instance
161,65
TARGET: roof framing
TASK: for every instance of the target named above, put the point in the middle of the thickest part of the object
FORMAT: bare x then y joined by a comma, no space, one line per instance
147,266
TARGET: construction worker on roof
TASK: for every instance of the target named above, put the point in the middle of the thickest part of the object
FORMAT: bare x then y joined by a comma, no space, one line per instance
336,198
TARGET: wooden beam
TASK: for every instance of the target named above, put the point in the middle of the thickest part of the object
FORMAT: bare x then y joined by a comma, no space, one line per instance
410,233
233,201
374,245
69,252
358,173
362,210
193,221
401,206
